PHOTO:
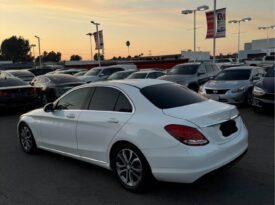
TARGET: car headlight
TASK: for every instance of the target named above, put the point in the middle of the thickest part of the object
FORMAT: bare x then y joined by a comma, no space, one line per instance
202,90
258,91
238,90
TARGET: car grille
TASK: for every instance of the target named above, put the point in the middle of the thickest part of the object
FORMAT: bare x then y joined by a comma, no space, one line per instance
268,96
210,91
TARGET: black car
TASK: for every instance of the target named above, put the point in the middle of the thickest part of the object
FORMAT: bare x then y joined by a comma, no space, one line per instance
17,93
53,86
24,75
40,71
263,91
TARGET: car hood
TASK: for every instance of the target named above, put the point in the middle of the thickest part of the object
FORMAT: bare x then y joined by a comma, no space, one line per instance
267,84
177,78
217,84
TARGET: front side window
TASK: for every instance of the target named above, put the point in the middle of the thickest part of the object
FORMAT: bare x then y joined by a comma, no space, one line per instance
75,100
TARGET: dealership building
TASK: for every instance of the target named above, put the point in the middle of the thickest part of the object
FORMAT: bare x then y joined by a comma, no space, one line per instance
258,48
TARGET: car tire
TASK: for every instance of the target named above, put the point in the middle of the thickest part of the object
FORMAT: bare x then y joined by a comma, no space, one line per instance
131,168
26,139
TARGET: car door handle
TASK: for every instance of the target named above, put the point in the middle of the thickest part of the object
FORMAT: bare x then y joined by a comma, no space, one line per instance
112,120
70,116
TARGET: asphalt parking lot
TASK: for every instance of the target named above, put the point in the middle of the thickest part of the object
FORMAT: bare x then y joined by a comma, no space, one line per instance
51,179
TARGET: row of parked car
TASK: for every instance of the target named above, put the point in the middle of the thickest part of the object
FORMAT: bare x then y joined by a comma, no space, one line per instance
249,85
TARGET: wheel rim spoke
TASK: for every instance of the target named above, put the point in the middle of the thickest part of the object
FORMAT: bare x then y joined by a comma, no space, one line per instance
26,138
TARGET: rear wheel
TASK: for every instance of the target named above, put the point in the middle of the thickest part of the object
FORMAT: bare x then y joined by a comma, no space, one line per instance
130,167
26,139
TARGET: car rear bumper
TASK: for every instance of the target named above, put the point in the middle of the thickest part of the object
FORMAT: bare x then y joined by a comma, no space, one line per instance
185,164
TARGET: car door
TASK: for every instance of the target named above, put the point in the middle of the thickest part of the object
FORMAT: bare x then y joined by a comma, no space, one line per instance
109,110
58,128
202,75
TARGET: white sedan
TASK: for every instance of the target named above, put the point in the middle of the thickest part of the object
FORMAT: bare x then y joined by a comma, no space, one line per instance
138,129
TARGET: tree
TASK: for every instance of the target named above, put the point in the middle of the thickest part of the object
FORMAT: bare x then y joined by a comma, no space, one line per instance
96,58
15,49
128,45
76,58
50,57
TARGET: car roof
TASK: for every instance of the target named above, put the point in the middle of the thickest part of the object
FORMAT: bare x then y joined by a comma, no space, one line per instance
138,83
191,63
19,71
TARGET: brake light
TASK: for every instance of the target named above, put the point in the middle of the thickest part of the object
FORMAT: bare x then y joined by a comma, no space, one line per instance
3,94
33,90
187,135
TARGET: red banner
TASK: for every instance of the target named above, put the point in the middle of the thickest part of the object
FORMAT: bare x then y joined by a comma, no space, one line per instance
220,28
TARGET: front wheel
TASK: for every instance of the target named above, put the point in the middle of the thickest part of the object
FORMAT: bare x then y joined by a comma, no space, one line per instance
26,139
130,167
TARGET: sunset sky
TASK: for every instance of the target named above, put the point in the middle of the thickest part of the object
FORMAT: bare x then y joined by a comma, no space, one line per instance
155,25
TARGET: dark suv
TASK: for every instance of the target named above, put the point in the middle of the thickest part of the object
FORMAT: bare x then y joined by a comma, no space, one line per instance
192,75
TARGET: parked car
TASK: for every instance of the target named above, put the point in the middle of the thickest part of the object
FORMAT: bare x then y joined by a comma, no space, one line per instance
68,71
266,60
40,71
144,74
138,128
80,73
17,93
263,91
120,75
233,85
53,86
192,75
102,73
224,62
24,75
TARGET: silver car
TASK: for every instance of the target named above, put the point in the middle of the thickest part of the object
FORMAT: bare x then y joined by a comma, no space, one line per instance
233,85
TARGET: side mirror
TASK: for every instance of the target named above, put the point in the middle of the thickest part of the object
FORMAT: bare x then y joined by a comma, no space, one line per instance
48,107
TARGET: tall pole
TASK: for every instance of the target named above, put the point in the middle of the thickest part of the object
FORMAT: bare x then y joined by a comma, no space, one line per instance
40,57
194,31
90,35
267,39
239,39
214,37
98,43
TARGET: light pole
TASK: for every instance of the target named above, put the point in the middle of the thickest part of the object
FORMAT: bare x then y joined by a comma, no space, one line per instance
267,36
239,31
40,57
32,50
186,12
90,34
98,42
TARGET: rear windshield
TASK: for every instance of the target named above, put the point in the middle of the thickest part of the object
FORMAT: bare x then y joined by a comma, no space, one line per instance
138,76
183,70
234,75
57,79
11,82
21,74
165,96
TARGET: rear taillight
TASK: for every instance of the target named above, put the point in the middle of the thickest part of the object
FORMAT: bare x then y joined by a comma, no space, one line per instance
4,94
187,135
33,90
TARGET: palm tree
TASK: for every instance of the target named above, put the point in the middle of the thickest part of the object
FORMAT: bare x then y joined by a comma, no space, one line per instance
128,45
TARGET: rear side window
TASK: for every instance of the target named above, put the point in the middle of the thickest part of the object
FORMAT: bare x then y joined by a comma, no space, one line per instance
104,99
165,96
123,104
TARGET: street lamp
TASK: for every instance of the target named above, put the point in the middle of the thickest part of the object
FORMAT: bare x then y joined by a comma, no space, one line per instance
98,42
90,34
267,29
239,25
32,50
186,12
40,57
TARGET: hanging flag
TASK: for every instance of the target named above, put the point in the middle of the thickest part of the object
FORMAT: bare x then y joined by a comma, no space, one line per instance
220,29
99,42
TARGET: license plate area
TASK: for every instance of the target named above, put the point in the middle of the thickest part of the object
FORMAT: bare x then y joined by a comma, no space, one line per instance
228,128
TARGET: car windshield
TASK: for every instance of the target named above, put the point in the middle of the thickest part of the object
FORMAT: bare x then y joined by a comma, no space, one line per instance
58,79
93,72
170,95
119,75
138,76
270,72
7,82
234,75
184,70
